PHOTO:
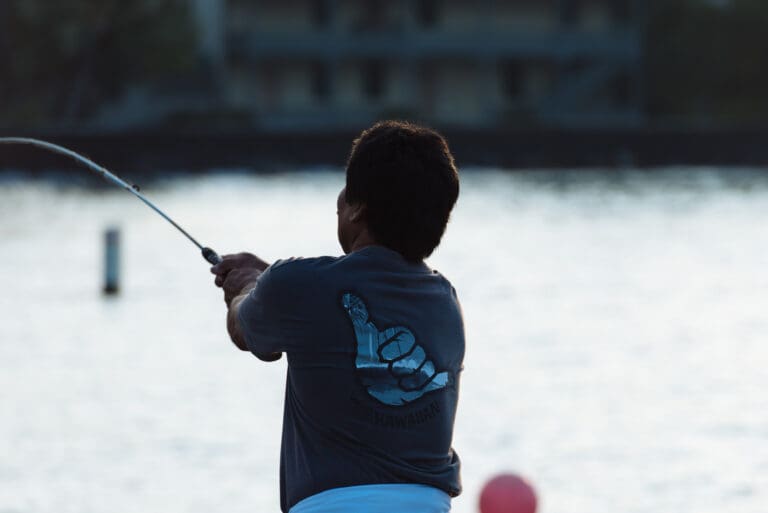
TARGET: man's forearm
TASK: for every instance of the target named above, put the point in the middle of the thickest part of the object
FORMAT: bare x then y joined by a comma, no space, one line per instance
233,318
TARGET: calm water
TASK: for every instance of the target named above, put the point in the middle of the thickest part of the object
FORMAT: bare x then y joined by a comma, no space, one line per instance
616,327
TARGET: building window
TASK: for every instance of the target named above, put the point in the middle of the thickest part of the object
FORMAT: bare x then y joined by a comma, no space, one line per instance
427,13
622,10
428,88
621,90
271,83
321,13
374,79
321,81
512,78
373,15
570,11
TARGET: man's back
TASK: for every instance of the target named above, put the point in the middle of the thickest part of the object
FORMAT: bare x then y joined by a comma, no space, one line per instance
374,339
375,346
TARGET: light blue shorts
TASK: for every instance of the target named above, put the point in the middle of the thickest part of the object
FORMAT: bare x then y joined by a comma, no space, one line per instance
379,498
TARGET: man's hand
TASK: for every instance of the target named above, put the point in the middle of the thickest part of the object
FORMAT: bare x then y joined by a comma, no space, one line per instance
236,273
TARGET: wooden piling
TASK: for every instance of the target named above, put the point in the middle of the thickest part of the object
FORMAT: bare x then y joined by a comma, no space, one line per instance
111,261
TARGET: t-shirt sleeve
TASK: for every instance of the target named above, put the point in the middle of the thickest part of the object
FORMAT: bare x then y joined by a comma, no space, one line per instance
275,316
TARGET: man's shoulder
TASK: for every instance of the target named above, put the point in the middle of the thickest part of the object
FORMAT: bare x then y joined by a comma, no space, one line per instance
299,268
364,264
296,264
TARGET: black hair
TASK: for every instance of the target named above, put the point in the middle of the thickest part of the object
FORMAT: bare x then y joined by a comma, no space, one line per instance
406,177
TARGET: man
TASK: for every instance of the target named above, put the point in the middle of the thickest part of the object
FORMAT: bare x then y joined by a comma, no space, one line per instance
374,339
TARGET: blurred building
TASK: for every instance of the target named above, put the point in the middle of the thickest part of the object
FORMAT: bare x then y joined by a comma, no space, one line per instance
487,63
288,65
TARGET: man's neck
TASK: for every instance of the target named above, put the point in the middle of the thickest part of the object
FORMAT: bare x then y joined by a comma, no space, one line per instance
363,240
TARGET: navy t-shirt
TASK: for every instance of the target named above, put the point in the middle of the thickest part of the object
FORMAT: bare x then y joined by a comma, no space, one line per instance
375,346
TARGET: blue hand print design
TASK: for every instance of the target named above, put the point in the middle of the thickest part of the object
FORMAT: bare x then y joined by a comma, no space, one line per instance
392,366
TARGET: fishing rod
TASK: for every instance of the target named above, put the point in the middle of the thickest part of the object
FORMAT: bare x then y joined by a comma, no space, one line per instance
210,255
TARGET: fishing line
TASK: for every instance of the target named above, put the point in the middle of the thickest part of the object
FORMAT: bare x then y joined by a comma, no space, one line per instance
210,255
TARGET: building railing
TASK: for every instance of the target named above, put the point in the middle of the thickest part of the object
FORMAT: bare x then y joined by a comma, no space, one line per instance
614,44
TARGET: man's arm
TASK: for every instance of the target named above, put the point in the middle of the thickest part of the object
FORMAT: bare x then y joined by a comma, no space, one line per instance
237,275
236,331
233,319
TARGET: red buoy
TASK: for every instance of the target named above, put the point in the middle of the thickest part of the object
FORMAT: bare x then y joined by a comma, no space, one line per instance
507,493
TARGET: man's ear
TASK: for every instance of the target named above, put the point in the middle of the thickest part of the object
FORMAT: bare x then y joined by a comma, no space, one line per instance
358,213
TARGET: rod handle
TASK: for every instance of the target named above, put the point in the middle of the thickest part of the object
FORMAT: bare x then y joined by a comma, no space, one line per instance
211,256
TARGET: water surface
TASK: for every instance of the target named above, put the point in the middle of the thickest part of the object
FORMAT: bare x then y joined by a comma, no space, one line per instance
616,341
